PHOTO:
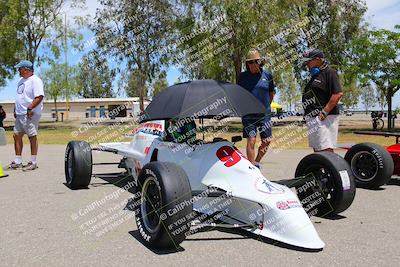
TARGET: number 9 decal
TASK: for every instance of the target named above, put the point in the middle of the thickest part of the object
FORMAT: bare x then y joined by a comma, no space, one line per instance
228,155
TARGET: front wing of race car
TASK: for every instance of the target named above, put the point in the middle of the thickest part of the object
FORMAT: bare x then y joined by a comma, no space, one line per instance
279,216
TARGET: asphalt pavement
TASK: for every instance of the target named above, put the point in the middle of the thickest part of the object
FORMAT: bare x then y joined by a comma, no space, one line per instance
44,223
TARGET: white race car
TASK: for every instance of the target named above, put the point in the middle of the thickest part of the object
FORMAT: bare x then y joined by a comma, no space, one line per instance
183,186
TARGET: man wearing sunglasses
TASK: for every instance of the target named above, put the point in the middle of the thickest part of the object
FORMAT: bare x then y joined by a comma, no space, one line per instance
259,83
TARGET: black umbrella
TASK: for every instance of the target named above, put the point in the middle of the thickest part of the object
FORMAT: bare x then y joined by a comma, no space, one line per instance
202,99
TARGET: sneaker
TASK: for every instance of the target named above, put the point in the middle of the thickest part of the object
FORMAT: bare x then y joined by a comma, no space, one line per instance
14,166
30,167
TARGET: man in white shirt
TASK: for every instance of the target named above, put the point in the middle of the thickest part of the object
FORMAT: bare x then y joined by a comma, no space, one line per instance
27,113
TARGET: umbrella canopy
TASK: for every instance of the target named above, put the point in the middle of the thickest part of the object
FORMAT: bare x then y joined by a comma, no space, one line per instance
202,99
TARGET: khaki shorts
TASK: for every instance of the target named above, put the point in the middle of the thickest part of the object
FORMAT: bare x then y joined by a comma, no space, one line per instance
27,126
323,134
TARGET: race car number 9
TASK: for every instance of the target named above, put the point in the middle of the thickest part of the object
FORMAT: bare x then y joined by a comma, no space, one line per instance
228,155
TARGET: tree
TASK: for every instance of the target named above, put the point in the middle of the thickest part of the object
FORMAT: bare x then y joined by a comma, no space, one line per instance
10,44
368,97
377,59
137,33
95,78
351,95
55,82
339,23
133,86
159,86
216,35
26,25
288,88
279,29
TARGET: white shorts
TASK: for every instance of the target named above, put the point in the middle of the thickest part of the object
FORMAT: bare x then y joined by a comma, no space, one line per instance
27,126
323,134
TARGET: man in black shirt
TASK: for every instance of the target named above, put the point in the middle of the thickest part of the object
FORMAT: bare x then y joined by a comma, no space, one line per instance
320,98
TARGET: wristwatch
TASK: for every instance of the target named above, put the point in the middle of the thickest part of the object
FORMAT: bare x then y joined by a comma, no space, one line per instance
325,113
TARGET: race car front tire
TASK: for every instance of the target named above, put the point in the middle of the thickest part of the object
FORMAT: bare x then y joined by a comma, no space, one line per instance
371,164
163,212
78,164
330,188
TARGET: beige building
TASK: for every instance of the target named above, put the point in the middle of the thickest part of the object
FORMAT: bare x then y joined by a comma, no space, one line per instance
86,108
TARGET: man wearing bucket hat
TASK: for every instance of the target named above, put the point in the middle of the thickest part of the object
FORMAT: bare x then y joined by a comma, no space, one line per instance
320,98
260,83
27,113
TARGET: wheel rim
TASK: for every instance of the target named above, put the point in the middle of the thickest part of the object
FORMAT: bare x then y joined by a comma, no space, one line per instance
151,205
380,124
70,167
364,166
325,181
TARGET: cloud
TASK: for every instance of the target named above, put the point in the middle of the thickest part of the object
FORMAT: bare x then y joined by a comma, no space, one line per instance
383,14
375,6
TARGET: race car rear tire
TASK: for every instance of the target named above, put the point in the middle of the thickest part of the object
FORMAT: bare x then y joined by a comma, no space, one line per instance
164,205
333,189
78,164
371,164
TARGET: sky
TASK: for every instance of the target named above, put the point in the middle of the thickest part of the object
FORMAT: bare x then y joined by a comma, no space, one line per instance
381,14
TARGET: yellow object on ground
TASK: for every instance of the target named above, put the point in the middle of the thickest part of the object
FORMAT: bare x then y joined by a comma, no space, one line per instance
2,143
275,105
2,172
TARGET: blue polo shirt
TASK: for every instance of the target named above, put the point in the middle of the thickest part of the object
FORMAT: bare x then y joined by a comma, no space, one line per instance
259,85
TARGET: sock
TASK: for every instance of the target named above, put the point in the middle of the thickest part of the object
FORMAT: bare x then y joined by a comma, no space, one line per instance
18,159
33,159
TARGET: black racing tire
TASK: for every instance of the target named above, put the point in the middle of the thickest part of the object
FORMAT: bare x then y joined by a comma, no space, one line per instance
333,189
78,164
164,208
371,165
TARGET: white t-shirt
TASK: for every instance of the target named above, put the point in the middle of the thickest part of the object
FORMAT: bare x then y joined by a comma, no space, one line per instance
27,90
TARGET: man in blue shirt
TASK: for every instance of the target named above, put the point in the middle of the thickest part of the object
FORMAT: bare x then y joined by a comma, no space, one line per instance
260,83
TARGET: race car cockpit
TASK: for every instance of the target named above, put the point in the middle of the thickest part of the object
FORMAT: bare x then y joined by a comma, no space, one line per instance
181,131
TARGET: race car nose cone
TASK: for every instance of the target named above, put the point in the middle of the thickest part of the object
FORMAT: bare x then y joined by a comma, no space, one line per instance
289,223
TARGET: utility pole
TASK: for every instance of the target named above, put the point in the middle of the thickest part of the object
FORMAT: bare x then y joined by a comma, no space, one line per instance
66,67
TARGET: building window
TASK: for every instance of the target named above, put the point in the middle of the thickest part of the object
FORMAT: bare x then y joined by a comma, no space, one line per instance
102,112
93,111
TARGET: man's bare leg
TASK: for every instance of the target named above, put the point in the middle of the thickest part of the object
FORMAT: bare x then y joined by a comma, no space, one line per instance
18,144
262,150
32,165
34,145
251,154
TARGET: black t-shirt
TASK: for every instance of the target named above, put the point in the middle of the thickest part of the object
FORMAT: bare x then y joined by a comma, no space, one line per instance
317,94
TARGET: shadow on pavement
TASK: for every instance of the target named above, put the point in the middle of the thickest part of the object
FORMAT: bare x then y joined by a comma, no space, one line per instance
136,235
394,181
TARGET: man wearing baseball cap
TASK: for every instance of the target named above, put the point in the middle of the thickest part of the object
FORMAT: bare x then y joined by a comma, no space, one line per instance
27,113
260,83
320,101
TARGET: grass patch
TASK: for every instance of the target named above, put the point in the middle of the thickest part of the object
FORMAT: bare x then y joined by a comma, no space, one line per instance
285,136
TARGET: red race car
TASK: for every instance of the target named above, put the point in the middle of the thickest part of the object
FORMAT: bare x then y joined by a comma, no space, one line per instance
373,165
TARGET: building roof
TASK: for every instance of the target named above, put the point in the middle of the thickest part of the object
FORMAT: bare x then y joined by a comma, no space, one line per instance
84,100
